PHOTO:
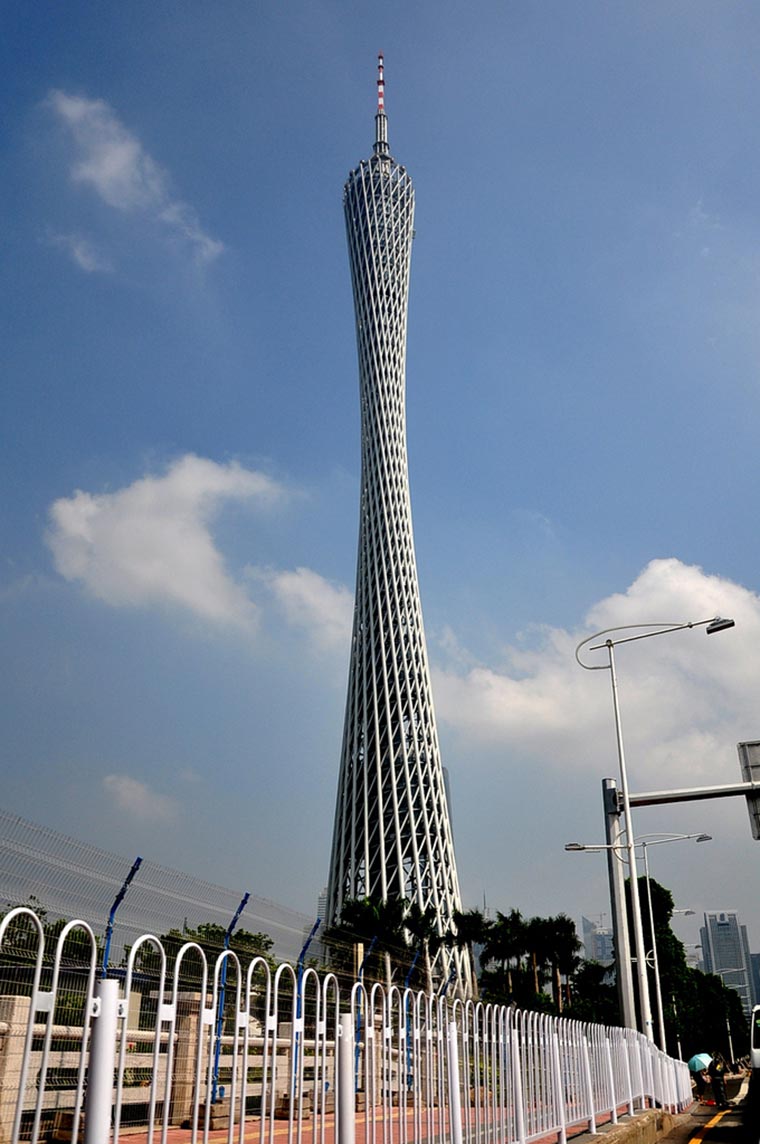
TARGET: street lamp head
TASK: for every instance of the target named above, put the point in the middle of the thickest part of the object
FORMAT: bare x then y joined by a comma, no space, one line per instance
704,838
574,846
719,624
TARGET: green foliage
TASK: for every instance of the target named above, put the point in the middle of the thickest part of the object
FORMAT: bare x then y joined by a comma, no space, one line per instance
19,954
210,937
372,936
594,994
529,953
698,1007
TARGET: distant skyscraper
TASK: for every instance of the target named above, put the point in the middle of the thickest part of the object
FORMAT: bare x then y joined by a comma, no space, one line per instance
598,942
392,836
725,951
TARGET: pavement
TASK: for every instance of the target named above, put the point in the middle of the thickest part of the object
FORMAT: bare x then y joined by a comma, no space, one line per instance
701,1123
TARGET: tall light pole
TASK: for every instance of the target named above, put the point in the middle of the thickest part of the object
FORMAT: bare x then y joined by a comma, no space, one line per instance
616,878
714,624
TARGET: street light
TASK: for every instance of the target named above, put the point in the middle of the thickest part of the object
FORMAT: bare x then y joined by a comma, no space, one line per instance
645,841
714,624
656,966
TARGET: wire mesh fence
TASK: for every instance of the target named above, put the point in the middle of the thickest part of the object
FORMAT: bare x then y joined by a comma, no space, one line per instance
63,877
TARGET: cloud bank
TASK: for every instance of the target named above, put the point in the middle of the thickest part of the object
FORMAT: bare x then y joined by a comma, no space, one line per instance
137,799
685,698
112,162
151,542
310,602
82,252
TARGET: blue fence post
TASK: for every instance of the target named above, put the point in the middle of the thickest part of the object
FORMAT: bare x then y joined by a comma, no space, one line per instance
222,983
116,903
299,1009
408,1015
357,1049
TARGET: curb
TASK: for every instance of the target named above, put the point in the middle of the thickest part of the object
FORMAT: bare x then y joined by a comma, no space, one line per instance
645,1127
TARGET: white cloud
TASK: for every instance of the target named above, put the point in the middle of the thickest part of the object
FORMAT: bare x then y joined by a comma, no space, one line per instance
136,798
113,162
151,542
82,252
686,699
310,602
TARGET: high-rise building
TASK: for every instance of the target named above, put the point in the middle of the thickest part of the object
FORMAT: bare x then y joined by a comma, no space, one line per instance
598,942
392,835
725,951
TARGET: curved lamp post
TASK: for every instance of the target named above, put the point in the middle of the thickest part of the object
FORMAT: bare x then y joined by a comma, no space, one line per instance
655,964
714,624
650,958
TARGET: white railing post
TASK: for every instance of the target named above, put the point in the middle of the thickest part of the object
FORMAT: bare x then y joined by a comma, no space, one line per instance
611,1076
455,1103
628,1076
97,1122
559,1088
588,1085
346,1099
518,1087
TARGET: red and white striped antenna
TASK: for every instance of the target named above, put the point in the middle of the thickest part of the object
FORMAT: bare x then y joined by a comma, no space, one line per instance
381,123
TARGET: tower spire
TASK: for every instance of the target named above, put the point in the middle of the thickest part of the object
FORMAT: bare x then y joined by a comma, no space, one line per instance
381,121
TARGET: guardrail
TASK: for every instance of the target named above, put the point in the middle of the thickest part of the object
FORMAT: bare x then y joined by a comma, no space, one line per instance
406,1067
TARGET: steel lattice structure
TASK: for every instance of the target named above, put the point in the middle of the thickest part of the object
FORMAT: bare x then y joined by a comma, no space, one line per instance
392,835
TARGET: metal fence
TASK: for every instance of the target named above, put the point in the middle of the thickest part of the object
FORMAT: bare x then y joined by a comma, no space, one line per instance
175,1042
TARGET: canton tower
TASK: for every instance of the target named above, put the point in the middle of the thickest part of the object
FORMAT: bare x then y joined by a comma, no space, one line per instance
392,836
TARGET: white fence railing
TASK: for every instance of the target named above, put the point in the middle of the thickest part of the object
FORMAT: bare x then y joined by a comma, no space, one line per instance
236,1047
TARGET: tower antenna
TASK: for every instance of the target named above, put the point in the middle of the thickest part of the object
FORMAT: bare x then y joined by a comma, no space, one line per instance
381,122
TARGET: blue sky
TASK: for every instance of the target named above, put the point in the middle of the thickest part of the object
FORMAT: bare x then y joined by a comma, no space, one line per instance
180,439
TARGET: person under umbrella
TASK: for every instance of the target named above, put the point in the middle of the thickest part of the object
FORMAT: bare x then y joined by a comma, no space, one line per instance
717,1070
697,1065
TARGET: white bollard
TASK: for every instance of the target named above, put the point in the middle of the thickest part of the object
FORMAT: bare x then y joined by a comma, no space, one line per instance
346,1128
97,1109
455,1102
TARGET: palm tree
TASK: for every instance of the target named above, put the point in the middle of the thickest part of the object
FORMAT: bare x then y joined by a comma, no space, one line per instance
505,943
471,927
378,923
538,942
563,947
424,929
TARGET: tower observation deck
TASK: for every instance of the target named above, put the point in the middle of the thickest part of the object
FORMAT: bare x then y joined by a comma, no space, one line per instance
392,835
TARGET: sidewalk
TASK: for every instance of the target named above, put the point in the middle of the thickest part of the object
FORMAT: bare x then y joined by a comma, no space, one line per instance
644,1128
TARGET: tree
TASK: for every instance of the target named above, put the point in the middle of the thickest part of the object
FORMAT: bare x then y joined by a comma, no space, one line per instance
18,960
379,925
505,945
423,927
471,928
594,995
697,1006
539,944
563,947
210,937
